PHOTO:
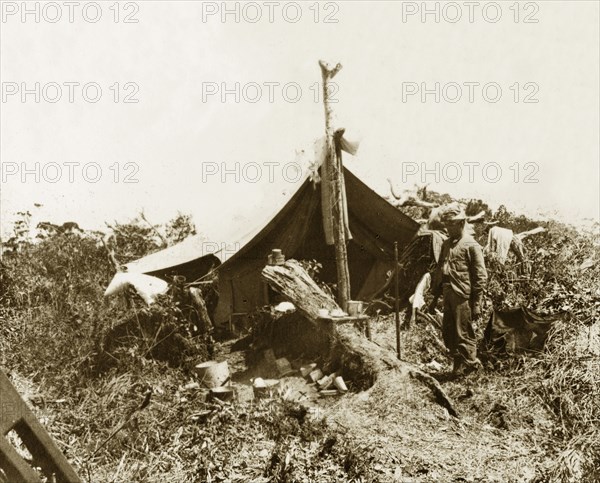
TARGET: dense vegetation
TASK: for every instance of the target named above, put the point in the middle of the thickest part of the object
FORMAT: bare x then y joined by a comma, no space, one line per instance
54,323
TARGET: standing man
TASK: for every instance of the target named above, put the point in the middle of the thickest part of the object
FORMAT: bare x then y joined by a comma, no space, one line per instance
460,277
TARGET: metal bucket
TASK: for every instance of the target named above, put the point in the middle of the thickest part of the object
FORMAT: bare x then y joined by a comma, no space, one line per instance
355,307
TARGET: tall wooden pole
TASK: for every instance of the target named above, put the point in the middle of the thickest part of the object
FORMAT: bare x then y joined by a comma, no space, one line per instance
333,163
397,302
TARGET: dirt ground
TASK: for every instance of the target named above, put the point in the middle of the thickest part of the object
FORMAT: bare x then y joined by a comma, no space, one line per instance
395,431
392,432
417,440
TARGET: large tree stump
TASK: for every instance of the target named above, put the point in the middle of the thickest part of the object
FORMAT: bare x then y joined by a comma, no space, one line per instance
362,360
368,360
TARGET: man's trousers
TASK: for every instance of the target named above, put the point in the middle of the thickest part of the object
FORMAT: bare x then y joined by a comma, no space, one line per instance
457,329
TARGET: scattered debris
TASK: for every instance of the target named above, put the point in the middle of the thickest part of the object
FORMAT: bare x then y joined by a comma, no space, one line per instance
284,367
265,387
340,384
587,263
434,366
306,370
325,382
329,392
192,386
315,375
224,393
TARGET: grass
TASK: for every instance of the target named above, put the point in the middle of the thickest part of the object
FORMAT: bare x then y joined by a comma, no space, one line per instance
549,402
530,418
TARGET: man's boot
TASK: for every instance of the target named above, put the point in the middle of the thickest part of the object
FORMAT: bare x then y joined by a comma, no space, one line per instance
473,366
459,367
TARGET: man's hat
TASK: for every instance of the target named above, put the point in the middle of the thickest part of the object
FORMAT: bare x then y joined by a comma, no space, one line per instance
453,212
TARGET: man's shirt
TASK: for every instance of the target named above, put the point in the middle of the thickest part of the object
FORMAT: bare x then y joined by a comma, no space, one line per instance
461,265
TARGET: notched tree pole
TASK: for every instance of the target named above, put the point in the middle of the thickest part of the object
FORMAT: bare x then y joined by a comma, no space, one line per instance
333,163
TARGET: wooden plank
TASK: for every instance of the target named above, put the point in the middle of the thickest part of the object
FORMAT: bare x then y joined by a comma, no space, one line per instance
15,467
34,436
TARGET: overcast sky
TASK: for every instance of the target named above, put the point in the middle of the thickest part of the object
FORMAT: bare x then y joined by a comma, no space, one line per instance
498,101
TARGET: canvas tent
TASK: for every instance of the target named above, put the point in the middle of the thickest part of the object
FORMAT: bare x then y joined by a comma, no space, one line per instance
296,229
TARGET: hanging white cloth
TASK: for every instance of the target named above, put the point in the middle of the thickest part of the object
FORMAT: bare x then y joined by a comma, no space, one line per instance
499,240
327,203
147,286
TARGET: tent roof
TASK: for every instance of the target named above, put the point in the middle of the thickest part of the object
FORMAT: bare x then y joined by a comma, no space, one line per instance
372,219
368,212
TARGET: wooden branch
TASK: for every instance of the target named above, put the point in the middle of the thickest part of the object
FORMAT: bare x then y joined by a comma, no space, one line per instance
476,218
408,198
111,256
154,229
292,281
144,404
413,201
200,306
440,396
329,71
393,190
525,234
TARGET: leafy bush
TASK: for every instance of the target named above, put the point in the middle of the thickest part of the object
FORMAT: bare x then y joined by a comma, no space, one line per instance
134,240
565,378
53,306
179,228
54,315
558,280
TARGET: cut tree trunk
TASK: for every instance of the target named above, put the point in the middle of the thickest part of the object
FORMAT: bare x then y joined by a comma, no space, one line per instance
361,359
292,281
356,353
